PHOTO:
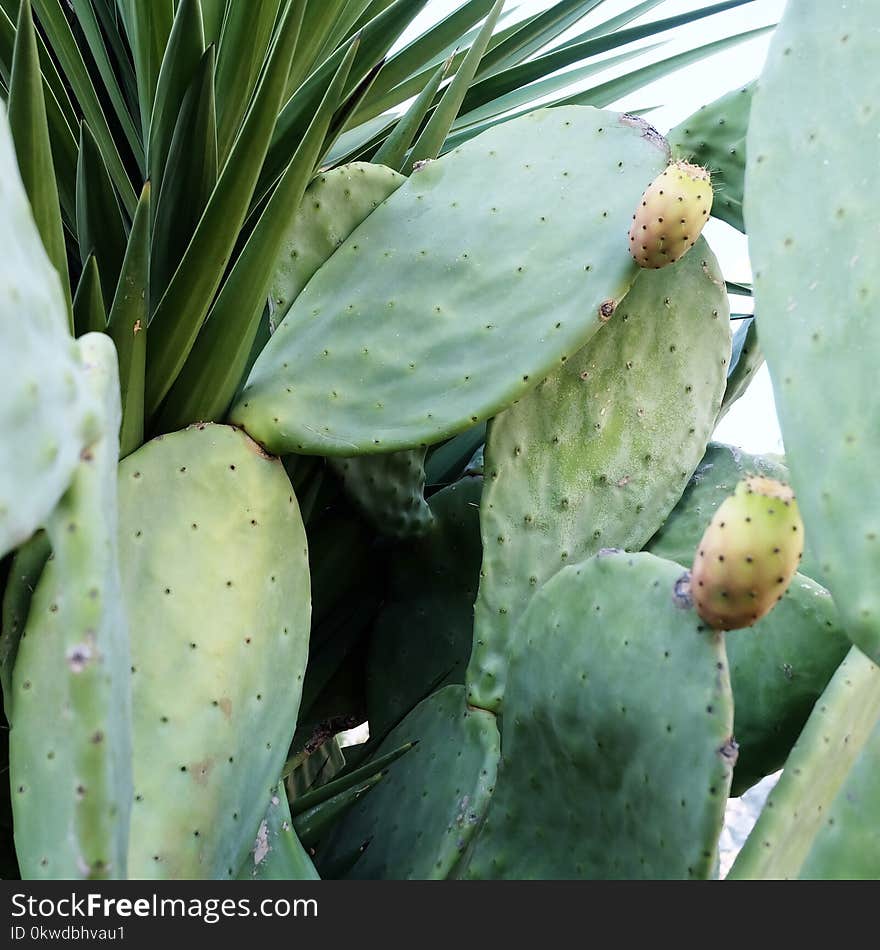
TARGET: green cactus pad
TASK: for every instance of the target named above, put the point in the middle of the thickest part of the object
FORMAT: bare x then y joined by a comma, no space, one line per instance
749,359
847,846
811,174
461,291
24,573
215,570
421,816
715,137
277,854
778,669
46,412
616,732
389,490
717,475
840,730
422,637
70,743
599,453
334,204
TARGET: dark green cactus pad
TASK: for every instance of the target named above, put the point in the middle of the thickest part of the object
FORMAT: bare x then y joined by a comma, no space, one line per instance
816,283
389,490
778,669
461,291
716,477
46,412
748,360
215,571
828,755
24,572
422,637
616,732
715,137
70,743
277,854
421,816
598,454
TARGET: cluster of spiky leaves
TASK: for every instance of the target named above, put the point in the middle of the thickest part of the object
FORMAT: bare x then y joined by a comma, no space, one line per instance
231,196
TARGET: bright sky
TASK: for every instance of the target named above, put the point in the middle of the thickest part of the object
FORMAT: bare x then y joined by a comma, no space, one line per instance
751,423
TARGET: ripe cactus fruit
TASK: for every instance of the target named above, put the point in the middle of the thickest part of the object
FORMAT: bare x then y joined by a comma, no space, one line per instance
671,215
748,554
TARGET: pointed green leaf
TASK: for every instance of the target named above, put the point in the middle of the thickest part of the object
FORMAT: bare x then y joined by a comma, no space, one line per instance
99,224
317,24
183,307
431,140
64,147
89,313
376,38
91,28
435,43
30,134
247,32
189,181
538,33
148,26
395,147
213,12
517,76
61,39
127,325
210,377
183,54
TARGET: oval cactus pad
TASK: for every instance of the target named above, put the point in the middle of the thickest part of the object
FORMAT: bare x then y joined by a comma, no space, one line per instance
460,292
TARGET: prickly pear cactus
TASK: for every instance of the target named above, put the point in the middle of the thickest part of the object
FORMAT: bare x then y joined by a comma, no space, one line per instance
70,744
714,137
600,452
778,670
839,736
46,412
334,204
277,854
215,572
504,262
670,215
748,554
600,776
811,173
24,573
422,637
423,813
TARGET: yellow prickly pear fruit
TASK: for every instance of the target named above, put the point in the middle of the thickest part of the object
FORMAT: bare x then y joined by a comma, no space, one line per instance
748,554
671,215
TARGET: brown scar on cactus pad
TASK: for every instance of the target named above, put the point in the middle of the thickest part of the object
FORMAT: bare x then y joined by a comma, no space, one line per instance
748,554
670,215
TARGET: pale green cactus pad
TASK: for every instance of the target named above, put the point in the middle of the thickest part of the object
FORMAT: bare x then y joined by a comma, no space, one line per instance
828,762
215,570
458,294
277,854
46,412
70,744
811,174
599,453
